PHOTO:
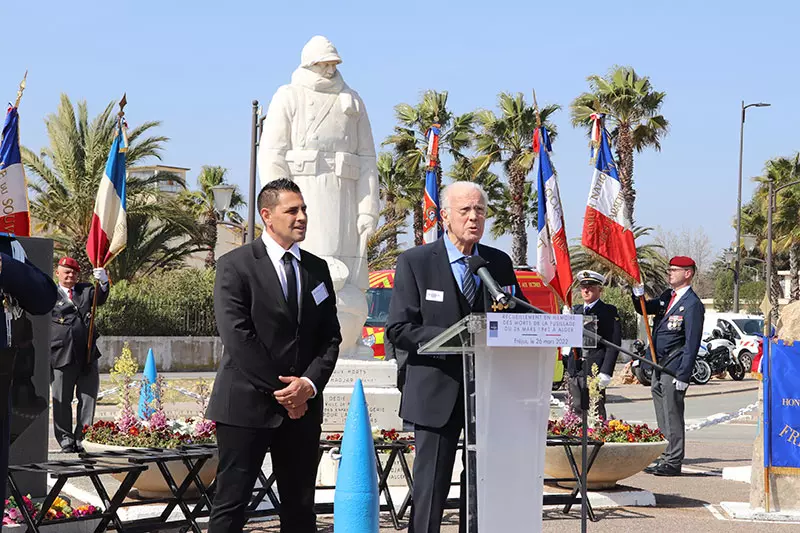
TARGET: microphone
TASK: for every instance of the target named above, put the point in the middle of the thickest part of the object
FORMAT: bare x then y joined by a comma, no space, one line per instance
477,265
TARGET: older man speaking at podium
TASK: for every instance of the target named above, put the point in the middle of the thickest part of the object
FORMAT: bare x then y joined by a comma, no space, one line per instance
434,289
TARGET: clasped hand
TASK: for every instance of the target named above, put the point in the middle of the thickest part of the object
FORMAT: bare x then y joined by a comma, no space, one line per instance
294,397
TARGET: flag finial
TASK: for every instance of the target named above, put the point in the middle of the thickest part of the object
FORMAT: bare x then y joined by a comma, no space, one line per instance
122,103
21,89
536,110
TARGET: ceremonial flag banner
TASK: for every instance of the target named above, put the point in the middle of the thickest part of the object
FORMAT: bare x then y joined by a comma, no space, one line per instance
552,258
606,228
108,234
782,407
431,224
13,186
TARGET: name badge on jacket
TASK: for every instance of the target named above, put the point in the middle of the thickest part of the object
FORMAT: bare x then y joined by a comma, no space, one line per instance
320,293
434,296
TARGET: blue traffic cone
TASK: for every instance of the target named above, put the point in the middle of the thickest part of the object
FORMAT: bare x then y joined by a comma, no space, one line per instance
356,503
147,395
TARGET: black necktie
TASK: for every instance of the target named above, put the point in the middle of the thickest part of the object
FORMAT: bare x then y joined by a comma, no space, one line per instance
468,286
291,284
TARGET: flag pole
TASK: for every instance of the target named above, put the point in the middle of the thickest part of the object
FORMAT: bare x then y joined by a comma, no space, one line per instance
22,85
646,318
120,117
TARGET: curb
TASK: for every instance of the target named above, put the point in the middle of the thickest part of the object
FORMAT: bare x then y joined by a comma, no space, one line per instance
701,394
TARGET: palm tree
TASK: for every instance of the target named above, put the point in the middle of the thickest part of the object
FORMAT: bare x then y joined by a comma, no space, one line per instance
632,108
786,217
508,139
68,173
652,264
201,202
400,194
158,239
381,254
498,193
786,223
411,144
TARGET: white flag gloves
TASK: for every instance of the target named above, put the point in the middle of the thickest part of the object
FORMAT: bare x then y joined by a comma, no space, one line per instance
100,275
603,380
680,385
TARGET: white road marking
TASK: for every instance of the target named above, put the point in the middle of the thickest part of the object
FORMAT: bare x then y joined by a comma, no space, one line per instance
698,471
713,511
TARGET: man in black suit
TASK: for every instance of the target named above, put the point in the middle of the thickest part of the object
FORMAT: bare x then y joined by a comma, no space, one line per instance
434,289
677,325
276,314
74,373
608,327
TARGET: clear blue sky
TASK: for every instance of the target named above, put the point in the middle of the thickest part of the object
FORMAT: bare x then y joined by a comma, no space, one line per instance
196,66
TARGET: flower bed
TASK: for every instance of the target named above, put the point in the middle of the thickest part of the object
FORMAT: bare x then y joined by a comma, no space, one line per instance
627,449
156,430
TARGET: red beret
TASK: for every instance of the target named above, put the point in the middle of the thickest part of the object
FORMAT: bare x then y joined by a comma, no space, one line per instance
682,261
70,263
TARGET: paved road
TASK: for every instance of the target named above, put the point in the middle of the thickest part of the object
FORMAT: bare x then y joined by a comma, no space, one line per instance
682,503
687,503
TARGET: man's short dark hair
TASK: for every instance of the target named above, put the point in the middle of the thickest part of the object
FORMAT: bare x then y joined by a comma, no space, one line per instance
268,197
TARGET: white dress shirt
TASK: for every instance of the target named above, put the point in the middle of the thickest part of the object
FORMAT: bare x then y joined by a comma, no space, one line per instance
678,295
275,252
586,306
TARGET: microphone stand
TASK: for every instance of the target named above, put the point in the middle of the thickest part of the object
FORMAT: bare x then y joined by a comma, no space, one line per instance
511,302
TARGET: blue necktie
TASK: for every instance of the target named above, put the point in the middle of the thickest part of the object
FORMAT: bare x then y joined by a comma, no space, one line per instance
468,286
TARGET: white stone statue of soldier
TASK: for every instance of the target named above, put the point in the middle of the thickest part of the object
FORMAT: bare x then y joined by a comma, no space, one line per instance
317,134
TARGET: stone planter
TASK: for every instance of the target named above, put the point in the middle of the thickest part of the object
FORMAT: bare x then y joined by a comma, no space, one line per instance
614,462
150,483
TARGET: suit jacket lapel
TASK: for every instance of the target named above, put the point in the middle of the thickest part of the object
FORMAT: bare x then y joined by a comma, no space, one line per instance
266,270
445,275
306,301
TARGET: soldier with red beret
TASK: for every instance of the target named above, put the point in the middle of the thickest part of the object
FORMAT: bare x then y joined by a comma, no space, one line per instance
75,372
677,325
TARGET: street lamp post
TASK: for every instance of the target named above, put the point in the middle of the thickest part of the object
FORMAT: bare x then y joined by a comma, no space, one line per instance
222,195
739,207
251,204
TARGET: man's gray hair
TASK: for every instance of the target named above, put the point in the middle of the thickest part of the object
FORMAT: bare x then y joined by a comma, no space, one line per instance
462,185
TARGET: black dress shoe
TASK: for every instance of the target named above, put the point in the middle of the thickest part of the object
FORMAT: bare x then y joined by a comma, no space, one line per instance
667,470
69,448
653,467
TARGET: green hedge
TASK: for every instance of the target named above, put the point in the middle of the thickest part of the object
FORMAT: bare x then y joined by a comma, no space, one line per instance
627,314
169,303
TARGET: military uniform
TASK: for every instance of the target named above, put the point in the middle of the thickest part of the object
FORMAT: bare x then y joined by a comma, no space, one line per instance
73,373
677,325
609,328
24,288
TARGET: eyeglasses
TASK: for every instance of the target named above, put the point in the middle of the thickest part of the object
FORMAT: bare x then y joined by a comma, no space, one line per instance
480,210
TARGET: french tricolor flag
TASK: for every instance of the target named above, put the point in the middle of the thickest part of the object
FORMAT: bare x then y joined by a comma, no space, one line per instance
13,186
552,257
606,228
108,233
431,223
